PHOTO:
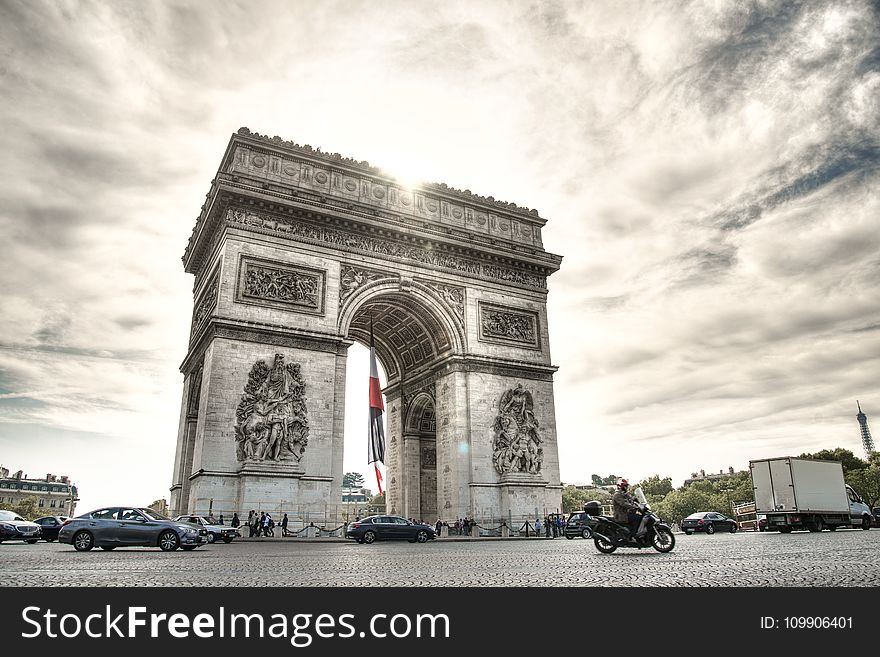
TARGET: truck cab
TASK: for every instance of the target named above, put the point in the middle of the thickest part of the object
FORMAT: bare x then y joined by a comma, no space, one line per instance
859,511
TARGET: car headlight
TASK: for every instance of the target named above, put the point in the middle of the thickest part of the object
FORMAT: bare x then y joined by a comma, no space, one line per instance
9,528
188,530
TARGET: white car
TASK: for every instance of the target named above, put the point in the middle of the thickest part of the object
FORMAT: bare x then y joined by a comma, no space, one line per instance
15,528
216,532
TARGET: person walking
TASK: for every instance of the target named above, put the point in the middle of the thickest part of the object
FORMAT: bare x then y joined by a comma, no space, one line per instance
250,524
221,519
235,521
537,526
284,522
258,522
439,526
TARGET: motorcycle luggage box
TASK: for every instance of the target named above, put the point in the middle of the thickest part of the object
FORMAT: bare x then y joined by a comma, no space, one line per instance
593,508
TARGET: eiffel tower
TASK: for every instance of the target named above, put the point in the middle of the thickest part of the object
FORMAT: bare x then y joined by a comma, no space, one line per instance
867,441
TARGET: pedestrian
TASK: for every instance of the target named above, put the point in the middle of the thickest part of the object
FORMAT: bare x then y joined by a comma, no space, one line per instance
537,526
284,522
235,521
250,523
258,521
439,526
547,527
221,519
265,522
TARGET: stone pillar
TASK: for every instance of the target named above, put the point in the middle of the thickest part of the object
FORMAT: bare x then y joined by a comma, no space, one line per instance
412,502
338,436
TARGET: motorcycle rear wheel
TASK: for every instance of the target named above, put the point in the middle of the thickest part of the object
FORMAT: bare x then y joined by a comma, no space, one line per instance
603,545
663,540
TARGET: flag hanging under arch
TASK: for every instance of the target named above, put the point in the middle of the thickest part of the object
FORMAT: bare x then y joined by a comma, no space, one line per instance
376,442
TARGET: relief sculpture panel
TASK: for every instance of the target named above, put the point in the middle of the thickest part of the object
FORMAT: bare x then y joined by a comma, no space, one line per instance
271,421
508,326
517,446
274,284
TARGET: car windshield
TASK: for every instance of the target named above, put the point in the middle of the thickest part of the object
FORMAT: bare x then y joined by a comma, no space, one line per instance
153,515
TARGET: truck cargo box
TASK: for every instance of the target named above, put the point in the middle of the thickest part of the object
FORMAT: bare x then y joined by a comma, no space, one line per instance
799,485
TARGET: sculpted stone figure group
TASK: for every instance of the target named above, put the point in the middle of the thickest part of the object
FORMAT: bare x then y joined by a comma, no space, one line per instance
517,445
271,416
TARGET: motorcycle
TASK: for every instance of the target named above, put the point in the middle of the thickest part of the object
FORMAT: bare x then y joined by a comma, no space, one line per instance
609,535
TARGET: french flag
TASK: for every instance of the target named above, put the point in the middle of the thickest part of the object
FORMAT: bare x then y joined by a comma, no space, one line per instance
376,443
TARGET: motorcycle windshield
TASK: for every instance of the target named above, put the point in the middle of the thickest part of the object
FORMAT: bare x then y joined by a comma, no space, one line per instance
639,495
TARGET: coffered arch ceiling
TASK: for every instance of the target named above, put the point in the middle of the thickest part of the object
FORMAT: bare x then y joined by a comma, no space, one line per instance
409,337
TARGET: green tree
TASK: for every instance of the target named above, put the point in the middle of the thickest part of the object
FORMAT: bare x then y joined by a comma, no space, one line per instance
849,460
27,507
596,479
655,488
866,483
573,499
352,480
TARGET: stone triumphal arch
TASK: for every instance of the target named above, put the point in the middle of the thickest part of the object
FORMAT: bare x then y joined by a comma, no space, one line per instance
294,254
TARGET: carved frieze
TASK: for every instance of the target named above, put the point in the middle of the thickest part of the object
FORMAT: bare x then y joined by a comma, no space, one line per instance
429,457
271,419
517,446
389,248
205,305
509,326
280,285
352,278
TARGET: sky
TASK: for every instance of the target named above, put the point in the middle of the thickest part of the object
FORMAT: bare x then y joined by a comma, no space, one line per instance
708,170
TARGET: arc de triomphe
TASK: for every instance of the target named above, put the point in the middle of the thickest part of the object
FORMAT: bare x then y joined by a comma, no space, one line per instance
294,253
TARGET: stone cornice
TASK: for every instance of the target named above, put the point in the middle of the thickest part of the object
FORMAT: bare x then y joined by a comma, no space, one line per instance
337,160
249,168
281,336
473,363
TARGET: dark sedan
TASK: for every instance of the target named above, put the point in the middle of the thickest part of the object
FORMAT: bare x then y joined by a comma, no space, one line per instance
15,528
50,525
709,522
118,526
389,528
577,525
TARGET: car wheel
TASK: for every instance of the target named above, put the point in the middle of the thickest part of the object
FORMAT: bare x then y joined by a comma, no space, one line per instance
422,536
50,540
369,537
832,528
83,541
733,528
785,530
32,541
710,529
169,540
587,534
227,539
359,540
866,522
108,547
211,537
688,531
569,537
190,547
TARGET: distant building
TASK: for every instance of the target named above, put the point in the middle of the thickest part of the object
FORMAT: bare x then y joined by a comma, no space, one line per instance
55,495
702,476
356,494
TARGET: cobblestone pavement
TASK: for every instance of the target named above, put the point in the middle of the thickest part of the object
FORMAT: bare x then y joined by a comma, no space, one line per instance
843,558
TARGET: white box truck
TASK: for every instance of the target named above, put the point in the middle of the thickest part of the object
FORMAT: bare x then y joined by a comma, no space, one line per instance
798,493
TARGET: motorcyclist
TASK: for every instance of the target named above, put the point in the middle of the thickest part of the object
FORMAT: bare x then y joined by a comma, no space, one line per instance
627,511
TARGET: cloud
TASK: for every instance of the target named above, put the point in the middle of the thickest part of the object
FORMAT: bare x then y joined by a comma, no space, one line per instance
709,172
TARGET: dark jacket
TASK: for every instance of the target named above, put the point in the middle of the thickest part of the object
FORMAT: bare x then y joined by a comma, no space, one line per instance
623,504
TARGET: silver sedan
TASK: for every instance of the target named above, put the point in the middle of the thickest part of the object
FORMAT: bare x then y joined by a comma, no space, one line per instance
113,527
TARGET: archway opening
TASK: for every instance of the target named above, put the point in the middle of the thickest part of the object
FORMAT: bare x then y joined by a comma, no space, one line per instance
411,336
